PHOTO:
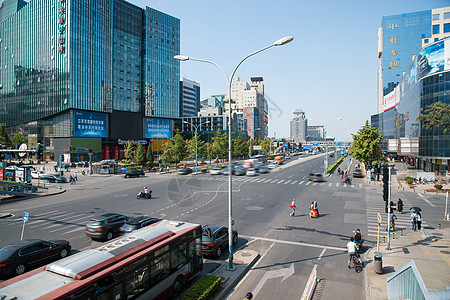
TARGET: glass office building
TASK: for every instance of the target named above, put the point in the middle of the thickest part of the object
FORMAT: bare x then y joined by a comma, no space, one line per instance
76,73
402,38
426,81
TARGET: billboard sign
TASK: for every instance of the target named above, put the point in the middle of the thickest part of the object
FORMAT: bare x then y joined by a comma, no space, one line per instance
158,128
89,124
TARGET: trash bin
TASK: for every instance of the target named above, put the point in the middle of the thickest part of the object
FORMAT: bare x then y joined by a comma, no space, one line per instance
378,263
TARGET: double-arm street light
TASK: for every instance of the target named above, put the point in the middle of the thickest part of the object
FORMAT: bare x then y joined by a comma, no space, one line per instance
326,143
196,147
279,42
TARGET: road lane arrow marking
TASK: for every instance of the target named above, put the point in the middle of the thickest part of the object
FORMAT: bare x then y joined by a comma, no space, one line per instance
285,273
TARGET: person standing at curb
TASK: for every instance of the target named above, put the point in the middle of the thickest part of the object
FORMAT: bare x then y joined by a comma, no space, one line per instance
400,206
414,220
419,221
293,207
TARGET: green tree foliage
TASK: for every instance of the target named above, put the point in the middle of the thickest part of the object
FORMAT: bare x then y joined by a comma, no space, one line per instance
220,144
436,115
266,145
239,147
149,156
140,157
366,144
209,151
167,153
17,140
179,149
4,137
129,152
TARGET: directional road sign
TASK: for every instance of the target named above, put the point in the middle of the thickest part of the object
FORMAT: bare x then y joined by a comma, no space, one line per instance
25,216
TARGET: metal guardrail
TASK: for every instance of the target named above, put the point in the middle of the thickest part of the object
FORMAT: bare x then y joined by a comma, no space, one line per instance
20,189
406,283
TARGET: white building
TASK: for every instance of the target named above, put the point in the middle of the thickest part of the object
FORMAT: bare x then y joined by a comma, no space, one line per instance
189,98
299,126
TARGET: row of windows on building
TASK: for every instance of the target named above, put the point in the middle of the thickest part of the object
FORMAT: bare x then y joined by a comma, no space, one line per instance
436,28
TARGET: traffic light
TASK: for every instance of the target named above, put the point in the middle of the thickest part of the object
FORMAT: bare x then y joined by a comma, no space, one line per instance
385,175
39,149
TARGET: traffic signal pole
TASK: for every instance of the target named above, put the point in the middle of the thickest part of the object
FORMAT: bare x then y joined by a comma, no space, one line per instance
389,212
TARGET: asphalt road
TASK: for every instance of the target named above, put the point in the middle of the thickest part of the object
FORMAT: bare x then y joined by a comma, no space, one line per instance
290,247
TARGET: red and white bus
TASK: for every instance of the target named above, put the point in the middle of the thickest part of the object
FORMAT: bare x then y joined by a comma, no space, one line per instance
150,263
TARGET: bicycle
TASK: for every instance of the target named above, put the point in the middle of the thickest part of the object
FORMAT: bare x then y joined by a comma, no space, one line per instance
356,264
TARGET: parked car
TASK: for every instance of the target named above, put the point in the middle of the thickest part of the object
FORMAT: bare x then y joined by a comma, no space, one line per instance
315,177
251,172
226,171
238,171
39,174
137,223
19,257
216,171
83,164
134,173
56,179
185,171
272,165
215,239
105,226
358,173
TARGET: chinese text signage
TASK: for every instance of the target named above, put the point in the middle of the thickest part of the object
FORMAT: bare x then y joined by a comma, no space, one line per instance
158,128
89,124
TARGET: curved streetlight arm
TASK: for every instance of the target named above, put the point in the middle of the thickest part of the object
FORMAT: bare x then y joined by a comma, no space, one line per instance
209,62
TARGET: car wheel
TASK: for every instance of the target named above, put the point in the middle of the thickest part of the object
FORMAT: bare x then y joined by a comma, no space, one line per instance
218,251
63,253
109,235
20,269
178,285
235,238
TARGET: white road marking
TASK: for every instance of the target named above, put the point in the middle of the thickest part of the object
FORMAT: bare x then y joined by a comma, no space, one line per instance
280,181
426,200
301,182
308,183
295,243
312,279
287,182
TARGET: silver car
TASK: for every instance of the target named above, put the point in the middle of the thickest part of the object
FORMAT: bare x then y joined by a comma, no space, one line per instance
216,171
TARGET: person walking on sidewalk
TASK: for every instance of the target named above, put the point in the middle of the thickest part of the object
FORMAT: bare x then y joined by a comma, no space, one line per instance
293,207
414,220
316,207
419,221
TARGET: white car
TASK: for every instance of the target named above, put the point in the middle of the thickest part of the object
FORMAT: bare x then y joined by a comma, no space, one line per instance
272,165
251,172
216,171
40,174
263,169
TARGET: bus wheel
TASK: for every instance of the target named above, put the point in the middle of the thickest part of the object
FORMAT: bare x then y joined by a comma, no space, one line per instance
178,285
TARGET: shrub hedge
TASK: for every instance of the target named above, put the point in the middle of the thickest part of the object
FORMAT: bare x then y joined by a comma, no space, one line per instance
409,180
333,166
203,289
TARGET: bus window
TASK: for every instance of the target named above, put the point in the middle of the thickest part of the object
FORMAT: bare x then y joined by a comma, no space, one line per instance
137,282
160,268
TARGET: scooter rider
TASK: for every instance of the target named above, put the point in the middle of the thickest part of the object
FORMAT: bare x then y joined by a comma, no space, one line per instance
358,238
146,191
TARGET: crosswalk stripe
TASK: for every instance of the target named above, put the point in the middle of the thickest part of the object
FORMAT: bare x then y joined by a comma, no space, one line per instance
73,230
280,181
294,182
287,182
308,183
301,182
329,184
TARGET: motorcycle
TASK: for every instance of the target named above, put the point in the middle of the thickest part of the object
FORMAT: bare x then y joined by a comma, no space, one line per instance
144,195
347,180
358,246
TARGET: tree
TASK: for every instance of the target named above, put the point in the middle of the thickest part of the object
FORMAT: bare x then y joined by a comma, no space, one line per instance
4,137
266,145
179,149
17,139
436,115
129,152
149,156
239,147
140,155
209,151
167,153
220,144
366,144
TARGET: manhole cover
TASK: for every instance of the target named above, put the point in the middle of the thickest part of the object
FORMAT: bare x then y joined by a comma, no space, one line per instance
317,262
438,234
445,251
238,262
245,254
254,208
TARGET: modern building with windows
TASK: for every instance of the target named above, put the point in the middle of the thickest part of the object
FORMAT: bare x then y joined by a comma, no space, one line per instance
299,126
426,81
84,76
400,37
189,98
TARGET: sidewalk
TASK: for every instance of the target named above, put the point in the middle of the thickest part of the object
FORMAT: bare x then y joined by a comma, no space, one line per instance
430,251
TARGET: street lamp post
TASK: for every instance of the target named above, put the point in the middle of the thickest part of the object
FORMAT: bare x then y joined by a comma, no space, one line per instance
196,128
279,42
326,144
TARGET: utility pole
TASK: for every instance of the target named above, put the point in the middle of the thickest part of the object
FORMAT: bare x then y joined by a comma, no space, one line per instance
389,212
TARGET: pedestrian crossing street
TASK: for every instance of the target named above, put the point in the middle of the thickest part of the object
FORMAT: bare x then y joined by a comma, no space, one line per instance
56,221
282,181
375,206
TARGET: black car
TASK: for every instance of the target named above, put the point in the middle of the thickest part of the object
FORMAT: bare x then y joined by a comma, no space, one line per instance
18,257
358,173
56,179
315,177
105,226
134,173
185,171
137,223
215,239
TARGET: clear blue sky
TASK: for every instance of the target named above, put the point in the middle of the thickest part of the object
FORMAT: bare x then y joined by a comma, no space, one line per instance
329,70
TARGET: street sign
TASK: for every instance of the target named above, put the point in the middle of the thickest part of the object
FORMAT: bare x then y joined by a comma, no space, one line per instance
22,147
315,144
25,216
342,152
91,150
257,147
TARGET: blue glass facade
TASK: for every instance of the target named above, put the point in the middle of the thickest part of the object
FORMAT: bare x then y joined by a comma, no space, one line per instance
60,57
402,39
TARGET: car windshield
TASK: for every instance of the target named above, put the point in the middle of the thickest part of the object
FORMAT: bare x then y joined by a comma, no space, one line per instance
6,252
130,226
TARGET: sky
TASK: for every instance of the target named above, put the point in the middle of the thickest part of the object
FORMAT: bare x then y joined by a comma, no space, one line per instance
329,70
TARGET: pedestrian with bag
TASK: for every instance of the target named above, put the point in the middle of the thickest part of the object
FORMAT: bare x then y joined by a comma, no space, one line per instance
413,218
419,221
293,207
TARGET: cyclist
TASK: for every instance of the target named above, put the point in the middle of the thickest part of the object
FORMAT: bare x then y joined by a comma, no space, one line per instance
351,249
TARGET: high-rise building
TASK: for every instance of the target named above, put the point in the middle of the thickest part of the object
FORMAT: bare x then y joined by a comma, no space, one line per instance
189,97
316,132
400,37
299,126
78,77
